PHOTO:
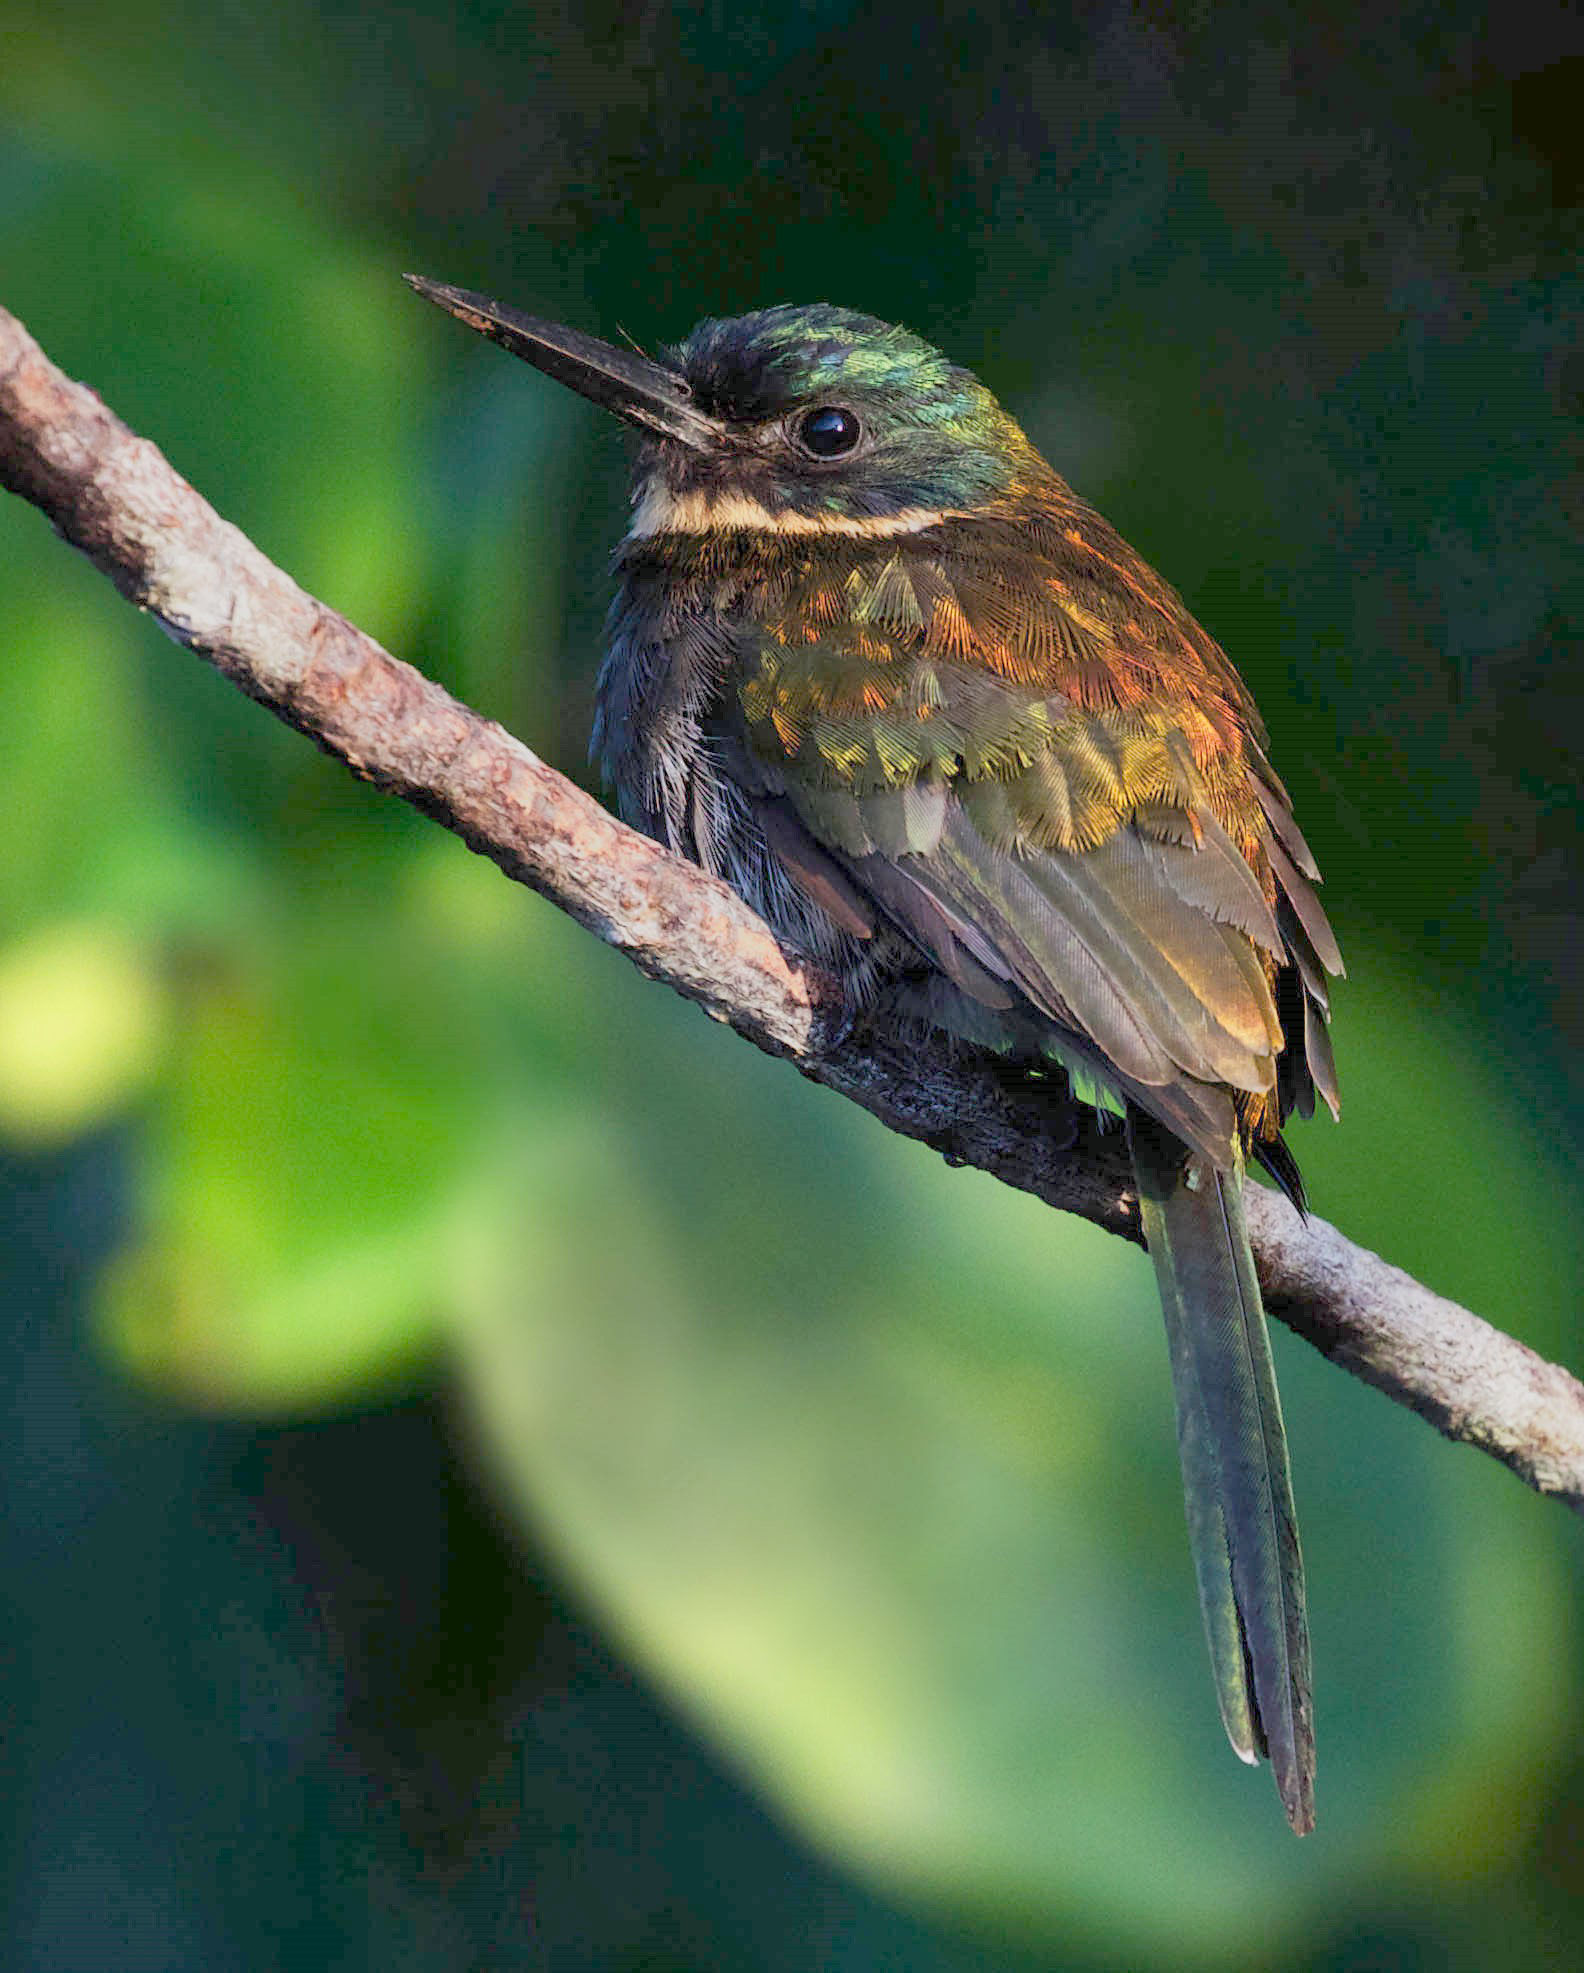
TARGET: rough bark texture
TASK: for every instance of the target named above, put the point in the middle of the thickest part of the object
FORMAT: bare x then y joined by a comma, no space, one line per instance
112,495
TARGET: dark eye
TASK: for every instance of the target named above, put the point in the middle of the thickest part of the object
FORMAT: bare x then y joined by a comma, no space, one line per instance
828,432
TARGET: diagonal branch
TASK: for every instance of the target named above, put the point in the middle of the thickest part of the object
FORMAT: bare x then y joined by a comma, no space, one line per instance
112,495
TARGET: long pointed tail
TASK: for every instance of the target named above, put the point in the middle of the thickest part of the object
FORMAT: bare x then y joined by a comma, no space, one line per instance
1241,1524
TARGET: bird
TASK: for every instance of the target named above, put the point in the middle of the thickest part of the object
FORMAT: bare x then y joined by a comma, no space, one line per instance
874,663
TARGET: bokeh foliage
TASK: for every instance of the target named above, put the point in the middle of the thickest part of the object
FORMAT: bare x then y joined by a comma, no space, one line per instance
866,1464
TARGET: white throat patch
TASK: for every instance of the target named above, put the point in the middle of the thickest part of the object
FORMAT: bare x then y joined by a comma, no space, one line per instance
657,511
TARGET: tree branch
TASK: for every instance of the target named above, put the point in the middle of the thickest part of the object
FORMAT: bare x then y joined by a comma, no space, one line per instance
112,495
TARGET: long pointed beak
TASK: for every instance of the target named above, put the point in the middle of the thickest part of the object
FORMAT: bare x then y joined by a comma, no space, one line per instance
645,394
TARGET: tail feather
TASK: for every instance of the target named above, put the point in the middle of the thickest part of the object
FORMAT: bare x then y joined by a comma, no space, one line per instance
1241,1523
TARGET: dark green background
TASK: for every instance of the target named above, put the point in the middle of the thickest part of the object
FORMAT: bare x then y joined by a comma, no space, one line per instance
495,1473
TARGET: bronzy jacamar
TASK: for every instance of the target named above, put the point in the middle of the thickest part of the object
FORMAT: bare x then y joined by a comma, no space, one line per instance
874,663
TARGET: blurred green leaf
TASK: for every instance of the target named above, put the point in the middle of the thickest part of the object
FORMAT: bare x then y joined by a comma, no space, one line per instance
82,1020
899,1521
